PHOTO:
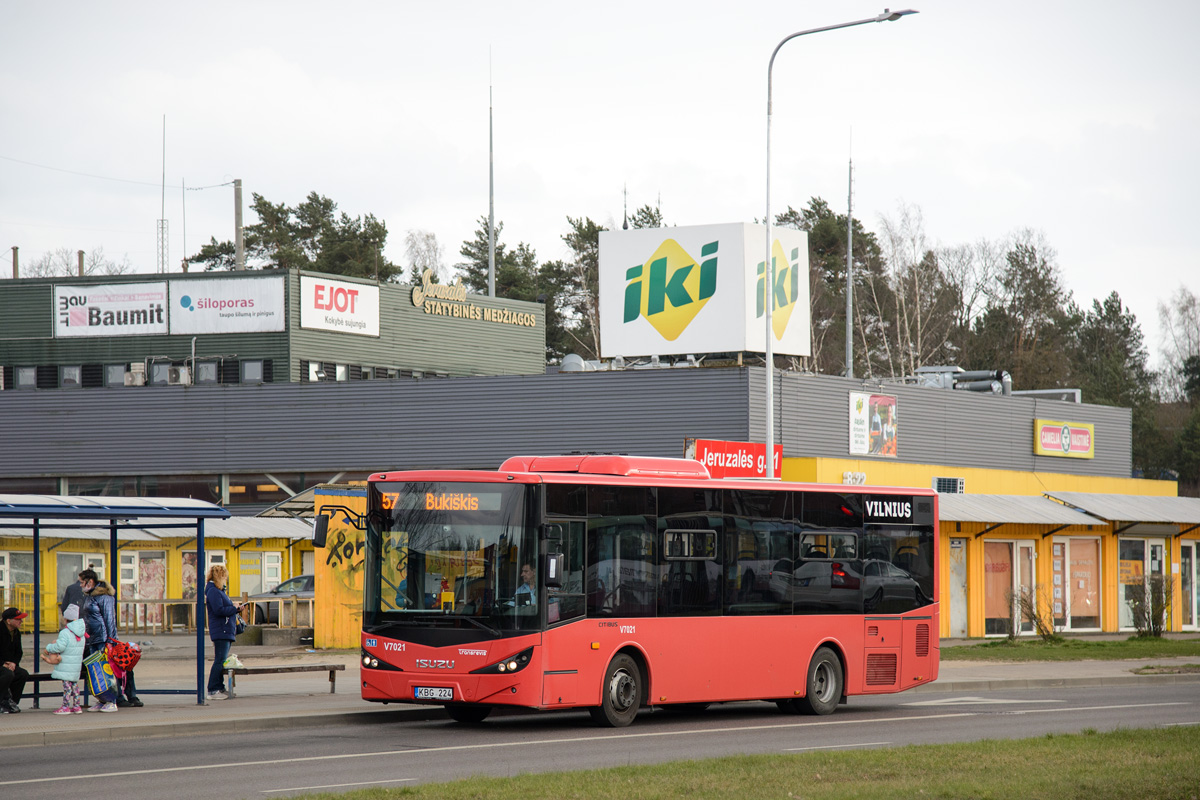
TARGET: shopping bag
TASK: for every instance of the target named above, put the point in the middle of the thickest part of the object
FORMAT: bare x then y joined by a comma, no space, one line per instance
101,681
123,654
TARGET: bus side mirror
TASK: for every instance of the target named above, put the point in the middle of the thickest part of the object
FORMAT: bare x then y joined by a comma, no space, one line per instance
320,530
554,568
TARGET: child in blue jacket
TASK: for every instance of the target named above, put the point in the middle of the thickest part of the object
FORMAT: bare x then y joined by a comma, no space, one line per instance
69,646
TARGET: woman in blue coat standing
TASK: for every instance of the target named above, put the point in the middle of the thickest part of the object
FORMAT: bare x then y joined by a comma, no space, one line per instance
222,627
101,626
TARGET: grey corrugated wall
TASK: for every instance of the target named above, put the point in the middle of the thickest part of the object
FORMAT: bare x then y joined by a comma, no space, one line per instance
956,428
363,426
480,421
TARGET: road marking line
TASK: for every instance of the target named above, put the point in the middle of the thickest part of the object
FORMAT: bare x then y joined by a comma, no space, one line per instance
495,745
974,701
335,785
1172,724
557,741
835,746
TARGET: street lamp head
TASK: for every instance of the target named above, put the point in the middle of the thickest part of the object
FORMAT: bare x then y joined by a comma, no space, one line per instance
891,16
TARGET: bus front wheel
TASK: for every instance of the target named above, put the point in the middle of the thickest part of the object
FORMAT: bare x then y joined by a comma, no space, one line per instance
824,685
621,694
468,713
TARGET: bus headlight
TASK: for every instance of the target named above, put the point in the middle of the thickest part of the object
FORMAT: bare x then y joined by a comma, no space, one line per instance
511,664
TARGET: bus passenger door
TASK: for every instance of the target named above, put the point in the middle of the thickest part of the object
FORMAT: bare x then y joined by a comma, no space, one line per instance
560,682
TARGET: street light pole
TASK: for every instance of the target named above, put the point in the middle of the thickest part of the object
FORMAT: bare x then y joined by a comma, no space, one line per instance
768,263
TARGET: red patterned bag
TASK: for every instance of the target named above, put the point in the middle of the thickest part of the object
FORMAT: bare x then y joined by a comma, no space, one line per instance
123,654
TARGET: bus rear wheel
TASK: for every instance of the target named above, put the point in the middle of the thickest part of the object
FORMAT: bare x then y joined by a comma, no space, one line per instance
468,713
824,686
621,693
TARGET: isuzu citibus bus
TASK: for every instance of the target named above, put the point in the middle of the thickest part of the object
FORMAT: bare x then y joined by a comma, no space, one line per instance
617,583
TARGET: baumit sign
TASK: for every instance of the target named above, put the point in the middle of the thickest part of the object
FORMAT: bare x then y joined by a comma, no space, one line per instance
702,289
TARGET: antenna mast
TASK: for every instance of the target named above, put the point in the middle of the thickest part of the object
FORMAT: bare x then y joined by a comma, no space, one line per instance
162,215
491,192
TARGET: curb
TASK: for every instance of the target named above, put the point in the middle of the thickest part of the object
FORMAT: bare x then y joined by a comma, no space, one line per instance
226,725
1053,683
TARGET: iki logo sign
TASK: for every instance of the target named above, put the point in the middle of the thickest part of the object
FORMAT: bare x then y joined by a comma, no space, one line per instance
669,290
785,288
702,289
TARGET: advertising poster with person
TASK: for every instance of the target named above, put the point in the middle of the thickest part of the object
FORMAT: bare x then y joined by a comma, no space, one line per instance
873,424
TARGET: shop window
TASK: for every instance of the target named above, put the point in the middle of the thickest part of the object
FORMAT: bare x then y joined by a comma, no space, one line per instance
26,377
206,372
70,377
160,373
114,374
342,372
1075,583
252,371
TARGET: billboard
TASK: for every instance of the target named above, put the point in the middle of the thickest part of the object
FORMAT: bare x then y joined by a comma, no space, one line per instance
873,424
732,459
702,289
227,305
1064,439
340,306
115,309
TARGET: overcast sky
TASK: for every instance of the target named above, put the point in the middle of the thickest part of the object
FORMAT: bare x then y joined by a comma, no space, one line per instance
1076,119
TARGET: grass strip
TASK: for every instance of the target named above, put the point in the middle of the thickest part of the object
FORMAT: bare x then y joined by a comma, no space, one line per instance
1146,764
1072,650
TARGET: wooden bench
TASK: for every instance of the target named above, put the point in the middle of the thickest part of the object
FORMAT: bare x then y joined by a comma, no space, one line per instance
332,669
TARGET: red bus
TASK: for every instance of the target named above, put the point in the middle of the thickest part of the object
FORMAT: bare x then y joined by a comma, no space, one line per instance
617,583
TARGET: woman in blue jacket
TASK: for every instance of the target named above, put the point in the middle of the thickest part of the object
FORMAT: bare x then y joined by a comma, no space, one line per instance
222,628
101,626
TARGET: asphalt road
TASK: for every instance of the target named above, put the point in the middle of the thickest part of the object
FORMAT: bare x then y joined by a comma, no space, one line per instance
338,758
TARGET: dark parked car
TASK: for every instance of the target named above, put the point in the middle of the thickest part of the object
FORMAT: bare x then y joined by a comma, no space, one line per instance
268,613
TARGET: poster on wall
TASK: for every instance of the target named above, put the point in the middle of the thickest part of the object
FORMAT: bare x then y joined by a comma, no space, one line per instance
1064,439
873,424
114,309
227,305
340,306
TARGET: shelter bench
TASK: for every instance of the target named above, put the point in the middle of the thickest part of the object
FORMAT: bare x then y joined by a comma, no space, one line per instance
36,678
332,669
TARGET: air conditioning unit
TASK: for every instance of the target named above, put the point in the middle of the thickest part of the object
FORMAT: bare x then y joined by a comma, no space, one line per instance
178,376
949,485
136,377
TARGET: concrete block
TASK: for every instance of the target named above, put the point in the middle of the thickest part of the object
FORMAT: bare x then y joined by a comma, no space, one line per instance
283,637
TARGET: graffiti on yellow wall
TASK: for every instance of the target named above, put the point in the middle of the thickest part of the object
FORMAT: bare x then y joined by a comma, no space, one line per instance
339,574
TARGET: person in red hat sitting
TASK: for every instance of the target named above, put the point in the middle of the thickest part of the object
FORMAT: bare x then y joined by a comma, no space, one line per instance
12,677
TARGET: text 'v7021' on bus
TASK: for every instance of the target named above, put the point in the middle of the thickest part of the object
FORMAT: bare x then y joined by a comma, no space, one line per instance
616,583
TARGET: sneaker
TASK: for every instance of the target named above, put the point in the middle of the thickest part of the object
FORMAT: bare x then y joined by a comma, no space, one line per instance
108,707
94,707
62,711
76,710
218,696
135,702
123,703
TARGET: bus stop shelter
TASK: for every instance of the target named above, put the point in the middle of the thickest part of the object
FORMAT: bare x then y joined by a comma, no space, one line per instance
60,516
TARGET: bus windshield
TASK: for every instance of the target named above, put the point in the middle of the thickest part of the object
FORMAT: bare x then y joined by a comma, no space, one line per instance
451,554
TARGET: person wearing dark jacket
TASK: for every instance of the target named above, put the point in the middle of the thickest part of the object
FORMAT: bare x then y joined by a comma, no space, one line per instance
101,619
77,593
222,627
12,677
101,624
